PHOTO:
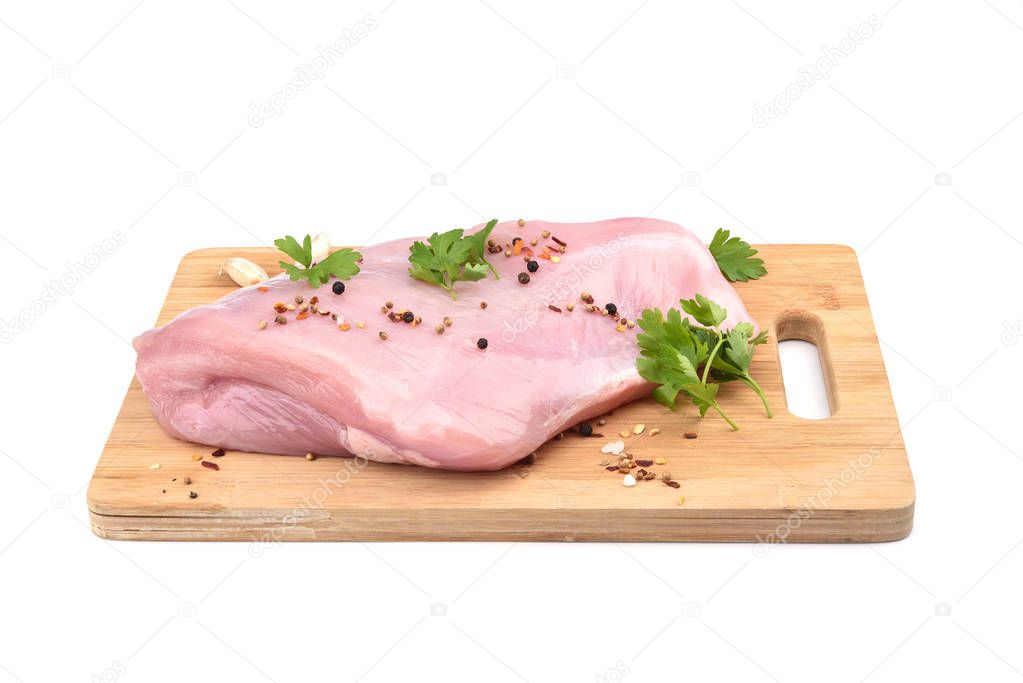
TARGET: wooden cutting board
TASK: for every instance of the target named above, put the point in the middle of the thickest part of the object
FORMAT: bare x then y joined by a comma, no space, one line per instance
843,479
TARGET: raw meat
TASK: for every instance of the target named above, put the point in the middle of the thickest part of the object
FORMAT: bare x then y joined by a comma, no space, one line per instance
419,397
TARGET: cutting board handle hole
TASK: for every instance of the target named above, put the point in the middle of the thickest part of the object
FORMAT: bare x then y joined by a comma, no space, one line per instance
807,374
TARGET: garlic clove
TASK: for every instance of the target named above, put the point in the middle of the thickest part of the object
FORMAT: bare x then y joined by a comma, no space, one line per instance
243,271
321,247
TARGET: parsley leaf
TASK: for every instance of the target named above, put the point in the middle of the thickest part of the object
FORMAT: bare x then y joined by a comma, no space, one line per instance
735,258
704,311
343,264
449,257
672,351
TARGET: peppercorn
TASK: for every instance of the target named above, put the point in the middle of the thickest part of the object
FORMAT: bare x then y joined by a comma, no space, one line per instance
524,278
408,316
611,309
532,266
338,287
586,429
481,343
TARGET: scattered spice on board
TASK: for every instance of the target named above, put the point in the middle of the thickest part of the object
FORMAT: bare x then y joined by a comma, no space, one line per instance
673,484
262,324
586,297
528,460
193,495
681,500
524,278
186,481
612,468
661,461
638,429
448,322
383,335
554,308
263,288
570,306
601,421
586,429
210,465
613,447
629,480
310,456
281,320
196,456
690,435
219,453
155,466
483,304
522,223
624,433
645,463
655,431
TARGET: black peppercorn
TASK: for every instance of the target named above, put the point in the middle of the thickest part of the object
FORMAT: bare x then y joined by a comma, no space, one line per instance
586,429
524,278
481,343
611,309
338,287
532,266
408,316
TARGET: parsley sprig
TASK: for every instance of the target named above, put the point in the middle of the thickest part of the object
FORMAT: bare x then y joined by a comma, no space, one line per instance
450,257
343,264
673,349
736,258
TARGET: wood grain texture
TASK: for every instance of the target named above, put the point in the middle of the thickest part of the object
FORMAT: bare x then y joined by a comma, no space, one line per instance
844,479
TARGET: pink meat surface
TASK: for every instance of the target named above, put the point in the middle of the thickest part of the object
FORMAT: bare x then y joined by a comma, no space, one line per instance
419,397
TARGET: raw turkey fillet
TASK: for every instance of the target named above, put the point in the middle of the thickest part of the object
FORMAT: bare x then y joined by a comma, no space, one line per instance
419,397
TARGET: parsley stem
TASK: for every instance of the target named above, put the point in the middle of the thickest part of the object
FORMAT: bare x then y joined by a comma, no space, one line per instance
752,384
722,414
710,361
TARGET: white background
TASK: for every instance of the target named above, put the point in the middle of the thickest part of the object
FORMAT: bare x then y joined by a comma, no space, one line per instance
135,118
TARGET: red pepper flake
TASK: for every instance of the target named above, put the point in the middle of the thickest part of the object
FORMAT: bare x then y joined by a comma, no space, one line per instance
210,465
263,288
302,316
645,463
554,308
219,453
